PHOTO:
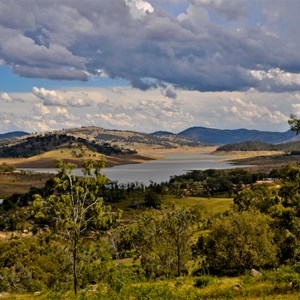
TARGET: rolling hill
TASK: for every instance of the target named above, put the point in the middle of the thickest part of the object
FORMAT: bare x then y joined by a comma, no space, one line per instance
213,136
13,134
290,147
131,139
77,144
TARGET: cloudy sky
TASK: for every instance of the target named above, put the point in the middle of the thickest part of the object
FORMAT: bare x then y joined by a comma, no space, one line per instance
149,65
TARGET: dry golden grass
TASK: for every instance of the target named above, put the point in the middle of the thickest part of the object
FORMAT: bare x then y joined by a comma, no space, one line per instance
235,155
49,159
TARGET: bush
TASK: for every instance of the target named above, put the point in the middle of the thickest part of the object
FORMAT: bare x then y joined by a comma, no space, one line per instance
202,281
285,276
239,242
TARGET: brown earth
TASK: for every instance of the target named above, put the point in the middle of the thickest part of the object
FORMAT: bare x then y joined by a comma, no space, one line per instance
111,161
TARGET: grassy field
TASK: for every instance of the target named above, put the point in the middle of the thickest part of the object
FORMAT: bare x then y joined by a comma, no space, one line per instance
205,287
20,182
49,159
212,204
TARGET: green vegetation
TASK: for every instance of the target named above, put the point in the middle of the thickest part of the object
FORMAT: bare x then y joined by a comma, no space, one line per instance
260,146
74,208
20,182
294,124
176,240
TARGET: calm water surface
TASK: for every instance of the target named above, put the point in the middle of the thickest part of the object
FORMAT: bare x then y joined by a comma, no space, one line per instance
162,169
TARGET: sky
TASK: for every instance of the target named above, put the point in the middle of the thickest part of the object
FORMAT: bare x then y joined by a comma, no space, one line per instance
149,65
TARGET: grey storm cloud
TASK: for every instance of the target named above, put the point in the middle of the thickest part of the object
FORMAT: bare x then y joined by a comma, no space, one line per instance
75,39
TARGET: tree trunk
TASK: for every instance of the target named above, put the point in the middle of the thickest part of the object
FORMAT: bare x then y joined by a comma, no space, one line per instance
178,261
75,267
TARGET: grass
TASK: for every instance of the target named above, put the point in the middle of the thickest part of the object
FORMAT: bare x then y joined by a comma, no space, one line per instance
49,158
215,205
20,182
212,204
179,289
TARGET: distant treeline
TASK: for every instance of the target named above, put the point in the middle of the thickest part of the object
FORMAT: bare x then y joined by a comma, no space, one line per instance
260,146
40,144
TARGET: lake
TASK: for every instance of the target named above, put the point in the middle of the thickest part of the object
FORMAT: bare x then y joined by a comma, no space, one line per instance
162,169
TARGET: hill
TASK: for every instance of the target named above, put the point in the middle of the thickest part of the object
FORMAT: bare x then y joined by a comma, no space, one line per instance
213,136
162,133
248,146
77,144
13,134
132,139
36,145
291,147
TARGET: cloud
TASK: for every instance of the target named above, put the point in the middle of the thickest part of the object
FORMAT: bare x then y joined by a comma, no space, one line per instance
133,109
139,8
275,79
116,120
50,98
40,110
212,46
249,112
230,10
5,98
54,98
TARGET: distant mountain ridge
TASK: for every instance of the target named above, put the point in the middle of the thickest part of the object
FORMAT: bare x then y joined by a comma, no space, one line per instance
213,136
13,134
193,137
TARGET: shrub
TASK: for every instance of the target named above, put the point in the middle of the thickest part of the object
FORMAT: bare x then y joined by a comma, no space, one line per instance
202,281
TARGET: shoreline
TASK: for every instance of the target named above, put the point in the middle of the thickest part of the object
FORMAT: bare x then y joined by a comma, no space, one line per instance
142,156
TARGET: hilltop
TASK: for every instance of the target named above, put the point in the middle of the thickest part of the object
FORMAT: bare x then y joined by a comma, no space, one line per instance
78,144
132,139
214,136
13,134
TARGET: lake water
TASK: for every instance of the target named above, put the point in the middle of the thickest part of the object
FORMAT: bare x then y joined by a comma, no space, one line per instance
162,169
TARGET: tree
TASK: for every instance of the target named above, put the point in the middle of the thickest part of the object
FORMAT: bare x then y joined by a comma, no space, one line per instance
238,242
294,123
74,209
165,240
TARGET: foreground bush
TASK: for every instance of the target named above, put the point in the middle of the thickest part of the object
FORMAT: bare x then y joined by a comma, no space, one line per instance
239,242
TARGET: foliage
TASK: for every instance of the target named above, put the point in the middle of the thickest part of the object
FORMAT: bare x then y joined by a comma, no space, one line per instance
33,264
238,242
248,146
212,182
283,205
6,168
294,123
74,209
166,238
202,281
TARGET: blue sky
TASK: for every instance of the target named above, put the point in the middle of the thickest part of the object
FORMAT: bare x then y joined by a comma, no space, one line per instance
149,65
11,82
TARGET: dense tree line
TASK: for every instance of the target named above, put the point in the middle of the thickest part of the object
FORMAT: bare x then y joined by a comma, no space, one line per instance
260,146
213,182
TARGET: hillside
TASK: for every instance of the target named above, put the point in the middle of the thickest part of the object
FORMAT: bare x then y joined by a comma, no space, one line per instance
213,136
13,134
35,145
77,144
131,139
260,146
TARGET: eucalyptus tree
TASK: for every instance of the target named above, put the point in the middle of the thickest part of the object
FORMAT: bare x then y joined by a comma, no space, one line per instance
74,209
294,123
